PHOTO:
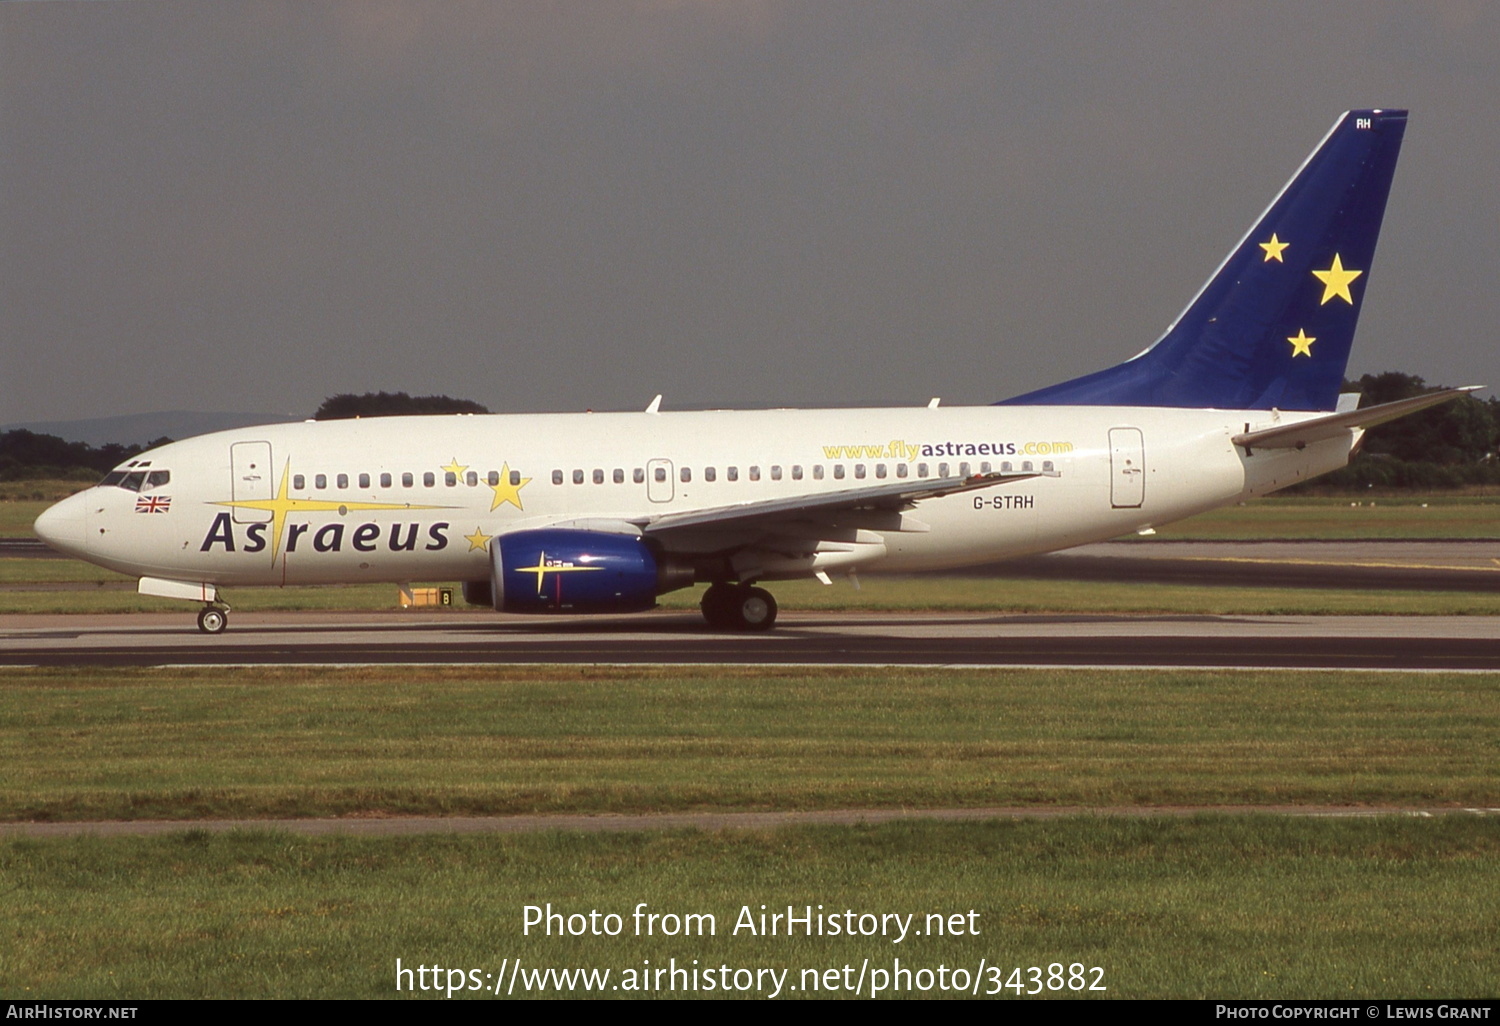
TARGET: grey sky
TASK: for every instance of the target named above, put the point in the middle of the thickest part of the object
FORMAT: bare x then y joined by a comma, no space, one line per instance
251,205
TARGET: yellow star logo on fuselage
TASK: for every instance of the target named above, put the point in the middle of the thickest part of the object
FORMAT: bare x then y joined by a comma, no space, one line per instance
478,540
1301,344
1273,249
1336,281
507,492
283,504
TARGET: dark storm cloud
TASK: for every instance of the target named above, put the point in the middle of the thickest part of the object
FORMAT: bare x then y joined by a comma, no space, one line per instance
558,206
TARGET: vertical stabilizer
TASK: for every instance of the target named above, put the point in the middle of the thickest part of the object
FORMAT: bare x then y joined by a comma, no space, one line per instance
1273,326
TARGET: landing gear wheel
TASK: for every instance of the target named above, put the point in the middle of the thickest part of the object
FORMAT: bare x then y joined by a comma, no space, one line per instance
754,609
717,606
212,620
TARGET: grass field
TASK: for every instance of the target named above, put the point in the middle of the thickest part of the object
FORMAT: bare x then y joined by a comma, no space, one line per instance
1212,905
1219,907
101,744
69,586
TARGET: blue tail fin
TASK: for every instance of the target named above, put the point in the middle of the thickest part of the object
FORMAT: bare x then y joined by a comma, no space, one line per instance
1273,326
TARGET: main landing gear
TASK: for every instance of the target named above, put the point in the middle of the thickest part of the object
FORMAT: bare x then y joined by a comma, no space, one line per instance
213,619
738,607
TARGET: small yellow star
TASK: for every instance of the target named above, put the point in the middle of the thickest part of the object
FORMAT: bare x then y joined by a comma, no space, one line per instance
1273,249
1301,344
1336,281
507,492
455,468
478,540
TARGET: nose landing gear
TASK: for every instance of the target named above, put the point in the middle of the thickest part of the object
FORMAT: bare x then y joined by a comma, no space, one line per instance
213,619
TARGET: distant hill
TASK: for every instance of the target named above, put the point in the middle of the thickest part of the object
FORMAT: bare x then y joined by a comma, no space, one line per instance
140,428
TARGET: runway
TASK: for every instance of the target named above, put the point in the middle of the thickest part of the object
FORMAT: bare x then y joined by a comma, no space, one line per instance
801,638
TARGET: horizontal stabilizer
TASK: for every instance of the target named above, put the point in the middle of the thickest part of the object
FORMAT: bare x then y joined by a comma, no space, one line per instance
1297,436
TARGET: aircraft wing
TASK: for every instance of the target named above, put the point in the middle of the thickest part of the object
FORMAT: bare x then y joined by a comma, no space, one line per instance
1297,436
890,498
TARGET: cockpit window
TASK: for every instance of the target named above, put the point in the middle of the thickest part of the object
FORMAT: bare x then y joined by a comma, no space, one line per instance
113,478
133,481
157,478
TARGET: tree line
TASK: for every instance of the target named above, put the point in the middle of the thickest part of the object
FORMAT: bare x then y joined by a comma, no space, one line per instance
1450,446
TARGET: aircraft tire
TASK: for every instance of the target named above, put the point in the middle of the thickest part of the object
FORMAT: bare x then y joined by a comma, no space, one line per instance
212,621
754,609
717,606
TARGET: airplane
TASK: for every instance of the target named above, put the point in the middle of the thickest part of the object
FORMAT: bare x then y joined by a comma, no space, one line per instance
605,512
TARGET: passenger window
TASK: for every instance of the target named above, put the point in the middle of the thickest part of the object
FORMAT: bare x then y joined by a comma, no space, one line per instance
492,478
157,478
880,470
942,470
1048,467
619,476
320,481
429,479
1026,467
385,480
638,475
364,480
818,472
472,479
598,477
838,471
984,468
686,475
963,470
732,473
1005,467
515,477
859,470
343,480
709,473
557,477
299,482
661,474
578,477
797,472
755,473
450,478
901,470
921,470
775,473
407,480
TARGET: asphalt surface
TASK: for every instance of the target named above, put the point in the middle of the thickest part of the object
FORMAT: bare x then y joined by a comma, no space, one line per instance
912,639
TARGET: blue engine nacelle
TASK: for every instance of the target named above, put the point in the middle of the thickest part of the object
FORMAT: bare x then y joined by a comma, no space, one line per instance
560,570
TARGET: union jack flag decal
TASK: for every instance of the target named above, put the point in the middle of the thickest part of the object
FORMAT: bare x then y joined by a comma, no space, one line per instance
153,503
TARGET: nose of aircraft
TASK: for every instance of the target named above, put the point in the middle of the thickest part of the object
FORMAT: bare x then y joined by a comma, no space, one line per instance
62,526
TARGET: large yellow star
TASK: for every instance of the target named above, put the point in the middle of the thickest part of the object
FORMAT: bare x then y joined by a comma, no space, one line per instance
557,566
280,506
1273,249
455,468
1336,281
1301,344
507,492
478,540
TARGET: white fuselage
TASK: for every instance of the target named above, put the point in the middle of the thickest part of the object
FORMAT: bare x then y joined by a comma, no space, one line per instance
330,502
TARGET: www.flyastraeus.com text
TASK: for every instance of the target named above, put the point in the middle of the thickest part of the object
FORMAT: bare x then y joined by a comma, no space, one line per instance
869,977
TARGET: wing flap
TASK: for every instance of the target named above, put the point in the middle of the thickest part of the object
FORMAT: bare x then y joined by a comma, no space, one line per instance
886,499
